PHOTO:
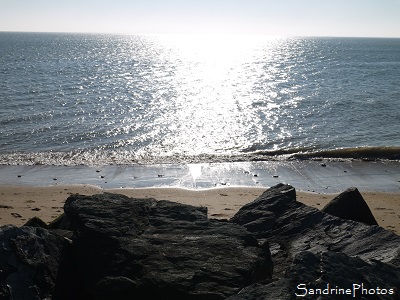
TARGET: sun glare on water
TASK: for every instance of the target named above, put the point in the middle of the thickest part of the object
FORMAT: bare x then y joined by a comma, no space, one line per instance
213,92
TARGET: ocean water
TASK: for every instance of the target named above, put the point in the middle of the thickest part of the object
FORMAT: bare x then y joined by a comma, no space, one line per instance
71,99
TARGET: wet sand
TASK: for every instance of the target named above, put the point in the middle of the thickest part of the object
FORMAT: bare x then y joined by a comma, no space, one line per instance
40,190
20,203
313,176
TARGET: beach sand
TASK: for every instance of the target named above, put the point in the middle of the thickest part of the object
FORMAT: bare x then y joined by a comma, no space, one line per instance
20,203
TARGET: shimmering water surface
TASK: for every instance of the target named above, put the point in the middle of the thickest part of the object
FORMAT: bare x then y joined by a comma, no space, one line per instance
105,99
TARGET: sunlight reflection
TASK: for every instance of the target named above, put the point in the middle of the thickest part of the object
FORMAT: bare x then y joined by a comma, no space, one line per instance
217,81
195,170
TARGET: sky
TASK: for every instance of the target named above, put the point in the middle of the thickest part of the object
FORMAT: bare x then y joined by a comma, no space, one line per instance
354,18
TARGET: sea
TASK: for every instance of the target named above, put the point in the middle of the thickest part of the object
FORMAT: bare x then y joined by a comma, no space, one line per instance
102,99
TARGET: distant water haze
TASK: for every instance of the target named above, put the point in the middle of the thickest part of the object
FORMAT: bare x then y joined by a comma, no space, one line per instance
110,99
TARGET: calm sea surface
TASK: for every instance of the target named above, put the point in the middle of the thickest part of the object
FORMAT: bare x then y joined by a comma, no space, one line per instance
106,99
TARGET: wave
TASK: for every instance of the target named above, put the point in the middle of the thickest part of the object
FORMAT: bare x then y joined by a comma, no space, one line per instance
96,157
362,153
104,157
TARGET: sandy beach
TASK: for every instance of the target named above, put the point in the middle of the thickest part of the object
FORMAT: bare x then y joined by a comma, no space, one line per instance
20,203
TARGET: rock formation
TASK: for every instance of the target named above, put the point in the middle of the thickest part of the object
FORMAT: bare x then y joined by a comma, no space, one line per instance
350,205
113,247
31,263
156,249
293,227
310,246
329,275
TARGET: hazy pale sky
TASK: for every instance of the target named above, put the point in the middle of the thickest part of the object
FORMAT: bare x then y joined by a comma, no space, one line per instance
373,18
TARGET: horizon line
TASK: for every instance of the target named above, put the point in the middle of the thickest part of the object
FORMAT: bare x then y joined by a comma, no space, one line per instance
199,34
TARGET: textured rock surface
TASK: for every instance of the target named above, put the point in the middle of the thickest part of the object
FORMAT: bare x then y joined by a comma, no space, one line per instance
292,227
350,205
148,248
30,260
329,270
311,247
113,247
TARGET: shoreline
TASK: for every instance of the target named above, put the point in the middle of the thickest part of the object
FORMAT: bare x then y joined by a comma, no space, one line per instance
322,176
20,203
40,190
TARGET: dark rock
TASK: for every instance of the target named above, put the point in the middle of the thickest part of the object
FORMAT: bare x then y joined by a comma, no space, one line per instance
262,213
36,222
64,233
314,248
333,271
29,262
350,205
61,222
116,288
277,217
280,289
113,247
152,249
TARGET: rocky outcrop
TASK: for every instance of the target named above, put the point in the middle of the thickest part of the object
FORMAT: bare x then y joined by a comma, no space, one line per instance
30,263
312,247
350,205
292,227
159,249
329,275
113,247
